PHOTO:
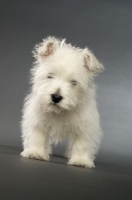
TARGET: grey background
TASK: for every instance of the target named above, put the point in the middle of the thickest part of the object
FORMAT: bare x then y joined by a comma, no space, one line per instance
104,26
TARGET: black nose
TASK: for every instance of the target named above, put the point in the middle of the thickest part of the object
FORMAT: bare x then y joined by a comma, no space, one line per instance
56,98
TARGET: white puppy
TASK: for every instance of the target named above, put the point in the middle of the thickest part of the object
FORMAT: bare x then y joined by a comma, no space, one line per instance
62,103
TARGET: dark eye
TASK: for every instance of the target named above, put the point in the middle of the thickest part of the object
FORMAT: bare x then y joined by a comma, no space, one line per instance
73,82
49,76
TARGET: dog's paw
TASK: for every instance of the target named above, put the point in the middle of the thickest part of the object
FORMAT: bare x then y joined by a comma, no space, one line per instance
35,154
81,162
66,155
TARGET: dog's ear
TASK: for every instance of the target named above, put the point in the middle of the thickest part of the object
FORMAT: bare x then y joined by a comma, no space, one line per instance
46,48
91,63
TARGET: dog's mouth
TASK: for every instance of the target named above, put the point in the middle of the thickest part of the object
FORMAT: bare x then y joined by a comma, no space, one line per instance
56,108
54,104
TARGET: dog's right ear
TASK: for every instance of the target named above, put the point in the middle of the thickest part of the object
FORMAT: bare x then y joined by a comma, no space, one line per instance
46,48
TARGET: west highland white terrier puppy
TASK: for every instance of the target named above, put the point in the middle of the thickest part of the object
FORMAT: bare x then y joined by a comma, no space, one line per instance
62,103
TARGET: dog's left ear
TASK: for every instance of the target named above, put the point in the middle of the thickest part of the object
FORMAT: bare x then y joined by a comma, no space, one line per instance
91,63
46,48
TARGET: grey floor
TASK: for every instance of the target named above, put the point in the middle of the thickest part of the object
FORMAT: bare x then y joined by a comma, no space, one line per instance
106,28
22,178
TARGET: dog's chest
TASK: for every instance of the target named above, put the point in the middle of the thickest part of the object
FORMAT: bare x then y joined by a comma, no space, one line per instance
60,126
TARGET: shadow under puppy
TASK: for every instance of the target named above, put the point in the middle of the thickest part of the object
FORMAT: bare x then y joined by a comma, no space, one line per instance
62,103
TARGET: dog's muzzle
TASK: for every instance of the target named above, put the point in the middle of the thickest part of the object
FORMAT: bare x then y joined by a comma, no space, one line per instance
56,98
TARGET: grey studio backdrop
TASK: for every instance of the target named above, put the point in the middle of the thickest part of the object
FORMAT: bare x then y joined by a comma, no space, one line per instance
104,26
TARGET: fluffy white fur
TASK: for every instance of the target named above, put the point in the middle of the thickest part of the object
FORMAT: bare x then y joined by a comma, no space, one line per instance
67,71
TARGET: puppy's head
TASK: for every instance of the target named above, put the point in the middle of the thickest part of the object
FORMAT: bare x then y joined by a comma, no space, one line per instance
61,74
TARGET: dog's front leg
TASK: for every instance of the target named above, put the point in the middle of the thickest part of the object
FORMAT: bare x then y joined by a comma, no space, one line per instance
78,153
36,145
